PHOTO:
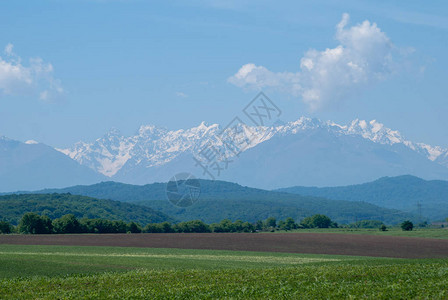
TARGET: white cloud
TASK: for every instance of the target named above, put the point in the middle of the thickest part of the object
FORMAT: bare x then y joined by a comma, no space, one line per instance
35,78
8,49
364,55
252,76
181,94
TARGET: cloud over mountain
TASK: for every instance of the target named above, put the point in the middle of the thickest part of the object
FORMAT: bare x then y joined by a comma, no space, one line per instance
363,56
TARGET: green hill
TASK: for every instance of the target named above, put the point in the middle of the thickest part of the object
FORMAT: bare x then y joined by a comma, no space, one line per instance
12,207
402,192
220,199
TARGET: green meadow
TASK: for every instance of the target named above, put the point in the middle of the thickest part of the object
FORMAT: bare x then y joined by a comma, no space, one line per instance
63,272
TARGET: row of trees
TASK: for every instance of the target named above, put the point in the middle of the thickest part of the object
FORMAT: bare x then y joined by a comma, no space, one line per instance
32,223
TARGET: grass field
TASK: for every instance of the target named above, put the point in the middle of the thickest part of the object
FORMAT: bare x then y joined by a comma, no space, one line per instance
116,272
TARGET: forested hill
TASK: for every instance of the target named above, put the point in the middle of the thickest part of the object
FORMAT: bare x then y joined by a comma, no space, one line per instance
219,200
405,193
12,207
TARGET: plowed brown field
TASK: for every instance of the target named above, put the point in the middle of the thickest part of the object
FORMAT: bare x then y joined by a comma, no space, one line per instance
317,243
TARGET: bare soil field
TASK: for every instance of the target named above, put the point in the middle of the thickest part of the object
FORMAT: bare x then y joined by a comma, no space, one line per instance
315,243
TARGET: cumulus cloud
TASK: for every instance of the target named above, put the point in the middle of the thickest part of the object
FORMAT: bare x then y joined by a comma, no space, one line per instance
259,77
34,78
364,55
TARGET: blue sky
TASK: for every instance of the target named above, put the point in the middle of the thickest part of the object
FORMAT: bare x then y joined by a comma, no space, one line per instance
102,64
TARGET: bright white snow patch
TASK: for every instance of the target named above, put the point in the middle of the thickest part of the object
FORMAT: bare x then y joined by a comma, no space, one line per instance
153,146
433,152
31,142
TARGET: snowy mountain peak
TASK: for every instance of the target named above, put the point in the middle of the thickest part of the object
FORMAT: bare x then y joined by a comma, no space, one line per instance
205,127
375,132
150,130
153,146
113,132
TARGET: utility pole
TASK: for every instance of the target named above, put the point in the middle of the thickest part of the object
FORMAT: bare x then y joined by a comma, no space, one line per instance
419,210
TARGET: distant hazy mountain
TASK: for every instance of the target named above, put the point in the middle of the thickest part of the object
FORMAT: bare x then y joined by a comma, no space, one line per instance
33,165
304,152
307,152
12,207
405,193
219,200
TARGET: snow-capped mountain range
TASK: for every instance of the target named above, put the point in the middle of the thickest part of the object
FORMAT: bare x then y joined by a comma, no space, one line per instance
306,152
154,147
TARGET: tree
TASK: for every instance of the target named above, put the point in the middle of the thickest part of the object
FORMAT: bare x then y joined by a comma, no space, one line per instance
5,227
423,224
34,224
288,224
271,222
367,224
407,225
248,227
216,227
383,227
102,226
119,226
259,225
317,221
192,226
133,227
88,225
67,224
238,226
166,227
153,228
226,225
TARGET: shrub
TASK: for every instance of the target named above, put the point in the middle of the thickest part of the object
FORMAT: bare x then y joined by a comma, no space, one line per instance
407,225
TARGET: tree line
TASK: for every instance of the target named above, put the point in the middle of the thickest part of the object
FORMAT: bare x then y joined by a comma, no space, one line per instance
32,223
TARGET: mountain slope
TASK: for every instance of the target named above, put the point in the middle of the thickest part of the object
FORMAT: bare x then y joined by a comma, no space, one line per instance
276,156
219,200
12,207
35,166
402,192
317,157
